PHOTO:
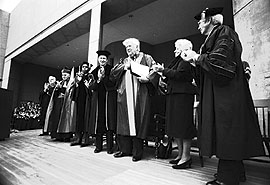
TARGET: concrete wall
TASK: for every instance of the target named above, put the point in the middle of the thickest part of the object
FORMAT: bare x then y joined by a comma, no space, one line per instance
36,16
252,23
4,22
27,80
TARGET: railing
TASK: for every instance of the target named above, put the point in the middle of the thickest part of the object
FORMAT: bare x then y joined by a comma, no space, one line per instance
262,108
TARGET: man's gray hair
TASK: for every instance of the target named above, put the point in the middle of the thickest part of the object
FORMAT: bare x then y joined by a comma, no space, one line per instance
183,43
217,19
133,41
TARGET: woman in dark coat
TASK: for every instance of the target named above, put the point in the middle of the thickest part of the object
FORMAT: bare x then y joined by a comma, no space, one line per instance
179,103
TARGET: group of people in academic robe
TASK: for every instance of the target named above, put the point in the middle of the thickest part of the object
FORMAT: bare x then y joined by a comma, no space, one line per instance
114,101
83,104
54,117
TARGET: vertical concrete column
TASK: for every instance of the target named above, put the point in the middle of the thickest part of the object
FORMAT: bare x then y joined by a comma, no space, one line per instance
6,73
94,35
4,25
252,23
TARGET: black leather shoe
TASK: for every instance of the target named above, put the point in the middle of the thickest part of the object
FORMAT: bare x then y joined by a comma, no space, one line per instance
109,151
215,182
120,154
135,159
75,143
66,139
174,161
44,134
184,165
97,150
85,144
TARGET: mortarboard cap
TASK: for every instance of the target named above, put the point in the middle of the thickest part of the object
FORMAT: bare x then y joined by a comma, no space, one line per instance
209,12
103,52
66,70
85,63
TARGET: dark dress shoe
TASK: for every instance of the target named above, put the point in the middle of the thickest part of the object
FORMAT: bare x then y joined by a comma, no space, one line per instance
174,161
59,139
66,139
97,150
44,134
109,151
85,144
120,154
184,165
135,159
214,182
75,143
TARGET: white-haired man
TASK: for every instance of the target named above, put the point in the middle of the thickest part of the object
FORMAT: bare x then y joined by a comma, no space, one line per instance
229,126
133,101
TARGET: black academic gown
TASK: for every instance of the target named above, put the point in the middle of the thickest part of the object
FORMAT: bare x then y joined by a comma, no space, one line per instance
83,103
54,110
229,127
141,110
103,111
44,99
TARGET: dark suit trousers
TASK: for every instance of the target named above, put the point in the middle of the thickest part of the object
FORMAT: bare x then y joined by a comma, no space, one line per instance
229,171
131,145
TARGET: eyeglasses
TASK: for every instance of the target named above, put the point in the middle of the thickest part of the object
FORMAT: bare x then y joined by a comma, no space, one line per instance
201,21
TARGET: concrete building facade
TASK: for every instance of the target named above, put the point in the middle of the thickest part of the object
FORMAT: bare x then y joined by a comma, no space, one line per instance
44,36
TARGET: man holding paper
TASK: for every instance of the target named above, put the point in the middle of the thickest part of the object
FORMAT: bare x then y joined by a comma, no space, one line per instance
134,84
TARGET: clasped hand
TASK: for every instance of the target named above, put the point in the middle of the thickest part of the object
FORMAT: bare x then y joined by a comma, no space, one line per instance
143,79
189,56
127,65
158,67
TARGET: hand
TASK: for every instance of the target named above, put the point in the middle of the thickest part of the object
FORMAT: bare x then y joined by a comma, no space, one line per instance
127,65
86,83
158,68
161,83
190,56
101,73
46,87
143,79
58,85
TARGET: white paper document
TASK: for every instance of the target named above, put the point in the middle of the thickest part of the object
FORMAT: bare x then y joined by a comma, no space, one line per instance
139,69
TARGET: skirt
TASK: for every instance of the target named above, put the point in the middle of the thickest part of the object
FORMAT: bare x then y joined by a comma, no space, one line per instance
180,116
